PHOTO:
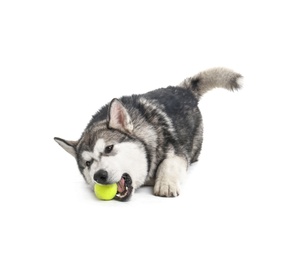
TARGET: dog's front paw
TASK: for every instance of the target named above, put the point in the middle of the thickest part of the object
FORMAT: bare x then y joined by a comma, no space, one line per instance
166,188
169,175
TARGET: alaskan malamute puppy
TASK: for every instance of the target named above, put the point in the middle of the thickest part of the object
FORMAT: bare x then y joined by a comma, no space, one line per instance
147,139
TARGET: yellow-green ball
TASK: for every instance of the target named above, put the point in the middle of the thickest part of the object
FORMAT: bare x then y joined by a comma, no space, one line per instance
105,192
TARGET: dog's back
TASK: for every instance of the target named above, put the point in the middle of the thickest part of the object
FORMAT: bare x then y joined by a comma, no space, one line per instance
173,111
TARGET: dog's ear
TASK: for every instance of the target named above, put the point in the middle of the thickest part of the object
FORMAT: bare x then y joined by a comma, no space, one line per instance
118,117
68,146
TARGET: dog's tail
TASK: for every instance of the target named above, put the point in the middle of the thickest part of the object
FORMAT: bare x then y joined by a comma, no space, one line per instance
212,78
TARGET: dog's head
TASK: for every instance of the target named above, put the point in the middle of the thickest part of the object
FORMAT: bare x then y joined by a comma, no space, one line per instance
108,152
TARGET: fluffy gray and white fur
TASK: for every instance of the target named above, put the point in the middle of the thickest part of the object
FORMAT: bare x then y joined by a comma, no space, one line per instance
147,139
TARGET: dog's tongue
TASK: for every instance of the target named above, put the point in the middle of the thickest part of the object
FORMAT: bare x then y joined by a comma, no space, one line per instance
121,185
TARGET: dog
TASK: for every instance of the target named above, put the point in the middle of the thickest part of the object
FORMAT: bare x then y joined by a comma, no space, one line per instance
147,139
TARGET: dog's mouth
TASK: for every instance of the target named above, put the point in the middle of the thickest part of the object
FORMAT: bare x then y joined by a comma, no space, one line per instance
125,188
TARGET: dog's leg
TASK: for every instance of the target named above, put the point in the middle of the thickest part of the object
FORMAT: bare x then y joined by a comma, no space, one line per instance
169,176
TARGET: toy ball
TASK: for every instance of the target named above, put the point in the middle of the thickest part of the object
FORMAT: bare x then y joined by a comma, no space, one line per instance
105,192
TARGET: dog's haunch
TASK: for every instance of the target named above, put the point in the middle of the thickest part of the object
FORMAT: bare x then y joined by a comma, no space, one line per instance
105,192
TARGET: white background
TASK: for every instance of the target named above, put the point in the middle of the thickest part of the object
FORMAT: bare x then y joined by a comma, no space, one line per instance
62,60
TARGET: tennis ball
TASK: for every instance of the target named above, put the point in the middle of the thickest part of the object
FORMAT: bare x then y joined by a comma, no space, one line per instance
105,192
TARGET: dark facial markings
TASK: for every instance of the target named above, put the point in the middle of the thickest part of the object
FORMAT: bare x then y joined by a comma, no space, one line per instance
108,149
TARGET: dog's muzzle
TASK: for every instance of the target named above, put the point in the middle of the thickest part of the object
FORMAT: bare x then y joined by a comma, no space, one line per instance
124,186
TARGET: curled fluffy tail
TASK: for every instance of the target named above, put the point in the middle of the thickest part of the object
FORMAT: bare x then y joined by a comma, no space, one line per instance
212,78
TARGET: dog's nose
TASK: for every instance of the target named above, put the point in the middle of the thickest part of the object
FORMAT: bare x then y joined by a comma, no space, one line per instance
101,176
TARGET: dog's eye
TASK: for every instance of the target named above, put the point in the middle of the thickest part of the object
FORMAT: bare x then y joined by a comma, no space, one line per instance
88,163
109,148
